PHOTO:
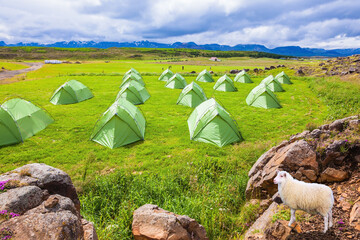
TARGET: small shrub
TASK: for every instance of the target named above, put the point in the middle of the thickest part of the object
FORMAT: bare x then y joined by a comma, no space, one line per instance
283,214
311,126
344,148
321,150
248,215
25,172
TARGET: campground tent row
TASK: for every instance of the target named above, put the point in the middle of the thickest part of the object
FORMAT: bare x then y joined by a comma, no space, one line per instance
123,123
263,95
209,122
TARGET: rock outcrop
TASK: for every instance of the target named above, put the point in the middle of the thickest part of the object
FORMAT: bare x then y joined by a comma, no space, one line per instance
329,155
151,222
326,154
341,66
47,204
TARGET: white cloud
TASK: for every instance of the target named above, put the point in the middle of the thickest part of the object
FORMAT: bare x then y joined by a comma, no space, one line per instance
321,23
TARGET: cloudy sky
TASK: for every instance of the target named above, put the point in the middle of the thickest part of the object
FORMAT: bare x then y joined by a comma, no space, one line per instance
308,23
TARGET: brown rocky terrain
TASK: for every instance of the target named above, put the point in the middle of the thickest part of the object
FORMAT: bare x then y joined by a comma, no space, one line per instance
341,66
330,155
344,67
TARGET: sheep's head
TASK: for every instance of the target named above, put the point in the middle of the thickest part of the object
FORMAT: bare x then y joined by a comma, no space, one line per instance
281,177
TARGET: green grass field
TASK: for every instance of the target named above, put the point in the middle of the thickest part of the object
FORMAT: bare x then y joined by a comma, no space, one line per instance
197,179
11,66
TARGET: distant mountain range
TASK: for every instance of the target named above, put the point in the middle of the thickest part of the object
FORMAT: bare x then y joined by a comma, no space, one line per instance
288,50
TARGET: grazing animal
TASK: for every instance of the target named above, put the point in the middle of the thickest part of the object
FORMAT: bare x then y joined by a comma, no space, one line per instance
309,197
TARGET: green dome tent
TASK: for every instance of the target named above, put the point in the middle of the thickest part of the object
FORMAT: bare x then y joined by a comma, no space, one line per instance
131,72
204,76
211,123
134,92
272,84
20,120
10,132
225,84
283,78
176,82
243,77
261,96
121,124
166,75
192,95
132,77
71,92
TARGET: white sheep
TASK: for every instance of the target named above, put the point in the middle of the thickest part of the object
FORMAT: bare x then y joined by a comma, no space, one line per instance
309,197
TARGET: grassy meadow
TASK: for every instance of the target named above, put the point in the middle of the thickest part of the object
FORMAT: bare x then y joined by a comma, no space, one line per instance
11,66
200,180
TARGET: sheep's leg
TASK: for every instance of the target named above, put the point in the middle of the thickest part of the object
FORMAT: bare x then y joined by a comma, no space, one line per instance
326,222
292,218
330,219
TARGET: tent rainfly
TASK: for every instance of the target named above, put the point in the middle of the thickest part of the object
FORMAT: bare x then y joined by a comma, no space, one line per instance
130,72
10,132
166,75
283,78
225,84
71,92
192,95
272,84
121,124
19,120
176,82
261,96
132,77
243,77
211,123
204,76
134,92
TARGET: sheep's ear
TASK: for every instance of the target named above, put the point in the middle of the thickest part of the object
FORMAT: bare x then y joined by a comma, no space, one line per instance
277,171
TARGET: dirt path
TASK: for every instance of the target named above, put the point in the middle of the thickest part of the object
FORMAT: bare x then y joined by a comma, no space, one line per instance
5,75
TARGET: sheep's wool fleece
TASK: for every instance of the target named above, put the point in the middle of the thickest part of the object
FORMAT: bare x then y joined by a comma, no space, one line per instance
309,197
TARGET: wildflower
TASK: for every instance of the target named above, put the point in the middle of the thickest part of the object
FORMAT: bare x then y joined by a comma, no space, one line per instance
3,212
340,222
2,184
14,214
6,233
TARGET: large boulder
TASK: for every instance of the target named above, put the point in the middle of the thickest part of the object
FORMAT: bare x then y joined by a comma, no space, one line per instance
45,177
47,203
322,155
290,157
53,225
151,222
